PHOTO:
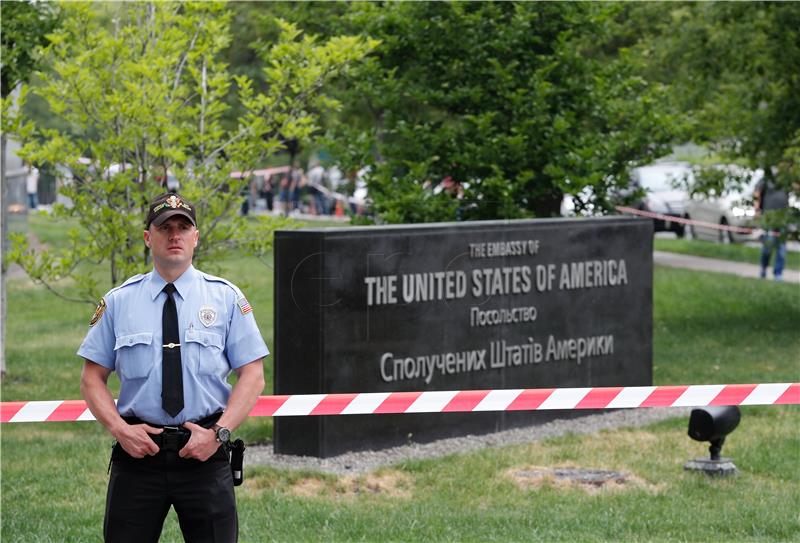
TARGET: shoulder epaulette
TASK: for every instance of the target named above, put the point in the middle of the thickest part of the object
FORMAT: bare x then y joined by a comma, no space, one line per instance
215,279
130,281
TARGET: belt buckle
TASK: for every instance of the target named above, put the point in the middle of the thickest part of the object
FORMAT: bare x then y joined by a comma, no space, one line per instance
172,438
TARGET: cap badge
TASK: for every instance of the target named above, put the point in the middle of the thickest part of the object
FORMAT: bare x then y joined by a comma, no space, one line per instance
172,201
208,315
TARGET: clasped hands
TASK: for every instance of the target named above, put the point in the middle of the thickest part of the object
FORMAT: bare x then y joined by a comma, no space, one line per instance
135,439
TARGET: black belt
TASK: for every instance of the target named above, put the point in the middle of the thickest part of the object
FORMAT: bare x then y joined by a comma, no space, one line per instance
205,422
173,438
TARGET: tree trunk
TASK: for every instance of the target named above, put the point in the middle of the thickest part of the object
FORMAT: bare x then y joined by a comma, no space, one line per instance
548,205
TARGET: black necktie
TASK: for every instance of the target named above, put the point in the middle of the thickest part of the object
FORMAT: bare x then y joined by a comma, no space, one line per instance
171,374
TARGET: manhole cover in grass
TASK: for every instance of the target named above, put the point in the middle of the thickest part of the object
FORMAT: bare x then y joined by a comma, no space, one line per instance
580,476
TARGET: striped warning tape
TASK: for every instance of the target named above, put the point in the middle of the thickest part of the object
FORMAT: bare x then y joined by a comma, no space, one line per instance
451,401
682,220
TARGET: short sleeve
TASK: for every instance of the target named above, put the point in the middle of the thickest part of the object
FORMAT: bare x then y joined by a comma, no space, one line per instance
244,343
98,345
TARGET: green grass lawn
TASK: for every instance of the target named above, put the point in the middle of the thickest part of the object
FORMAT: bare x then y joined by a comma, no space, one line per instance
733,251
708,328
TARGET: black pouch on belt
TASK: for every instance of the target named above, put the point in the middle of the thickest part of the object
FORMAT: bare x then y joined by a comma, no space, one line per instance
237,462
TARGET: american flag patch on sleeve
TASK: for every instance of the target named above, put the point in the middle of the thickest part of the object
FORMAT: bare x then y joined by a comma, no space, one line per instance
244,305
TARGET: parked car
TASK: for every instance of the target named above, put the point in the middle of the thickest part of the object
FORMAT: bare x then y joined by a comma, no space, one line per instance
580,205
662,195
651,188
733,207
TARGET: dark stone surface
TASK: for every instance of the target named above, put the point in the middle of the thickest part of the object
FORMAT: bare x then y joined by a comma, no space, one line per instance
583,476
328,338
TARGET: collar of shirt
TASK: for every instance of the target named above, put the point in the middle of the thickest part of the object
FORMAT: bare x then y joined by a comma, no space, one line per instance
183,284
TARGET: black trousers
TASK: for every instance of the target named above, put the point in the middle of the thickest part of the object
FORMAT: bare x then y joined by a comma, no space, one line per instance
141,491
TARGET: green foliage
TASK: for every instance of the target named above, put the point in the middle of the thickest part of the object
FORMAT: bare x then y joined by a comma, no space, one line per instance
25,26
522,102
143,89
734,68
517,102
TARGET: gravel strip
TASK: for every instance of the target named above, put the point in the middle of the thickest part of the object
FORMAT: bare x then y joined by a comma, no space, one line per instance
357,463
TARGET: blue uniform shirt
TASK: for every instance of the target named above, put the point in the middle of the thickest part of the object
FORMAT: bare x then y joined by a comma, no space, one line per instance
218,331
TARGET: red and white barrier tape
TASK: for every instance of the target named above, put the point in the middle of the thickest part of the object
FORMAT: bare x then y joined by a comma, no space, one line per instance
452,401
682,220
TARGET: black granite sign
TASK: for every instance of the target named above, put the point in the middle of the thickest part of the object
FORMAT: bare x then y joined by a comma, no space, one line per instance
478,305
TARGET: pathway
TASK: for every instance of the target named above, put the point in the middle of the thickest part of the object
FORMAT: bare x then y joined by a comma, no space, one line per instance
699,263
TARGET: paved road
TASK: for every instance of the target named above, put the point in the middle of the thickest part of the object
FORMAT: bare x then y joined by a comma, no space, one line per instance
675,260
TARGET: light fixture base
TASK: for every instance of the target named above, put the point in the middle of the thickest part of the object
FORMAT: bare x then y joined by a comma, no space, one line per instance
724,467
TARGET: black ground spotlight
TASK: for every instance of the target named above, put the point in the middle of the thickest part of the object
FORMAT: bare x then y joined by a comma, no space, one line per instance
713,424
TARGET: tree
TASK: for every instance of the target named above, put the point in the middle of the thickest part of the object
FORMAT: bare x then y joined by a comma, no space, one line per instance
145,94
518,102
24,27
735,71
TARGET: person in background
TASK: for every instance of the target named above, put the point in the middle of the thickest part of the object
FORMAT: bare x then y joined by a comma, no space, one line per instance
246,195
316,184
264,184
297,185
770,198
32,186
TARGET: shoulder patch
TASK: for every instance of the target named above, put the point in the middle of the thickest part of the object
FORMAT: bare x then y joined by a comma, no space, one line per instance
98,313
244,305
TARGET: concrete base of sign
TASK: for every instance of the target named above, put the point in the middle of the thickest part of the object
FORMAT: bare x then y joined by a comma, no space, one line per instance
327,436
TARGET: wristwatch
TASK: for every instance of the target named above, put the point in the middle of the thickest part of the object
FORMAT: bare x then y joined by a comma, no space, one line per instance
223,434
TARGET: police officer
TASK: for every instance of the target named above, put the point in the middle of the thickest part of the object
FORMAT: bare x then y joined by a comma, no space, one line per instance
173,336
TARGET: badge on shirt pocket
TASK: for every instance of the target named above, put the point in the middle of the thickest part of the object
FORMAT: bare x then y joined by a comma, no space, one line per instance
208,315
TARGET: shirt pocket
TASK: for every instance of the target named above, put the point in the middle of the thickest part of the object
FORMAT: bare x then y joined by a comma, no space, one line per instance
204,351
134,355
